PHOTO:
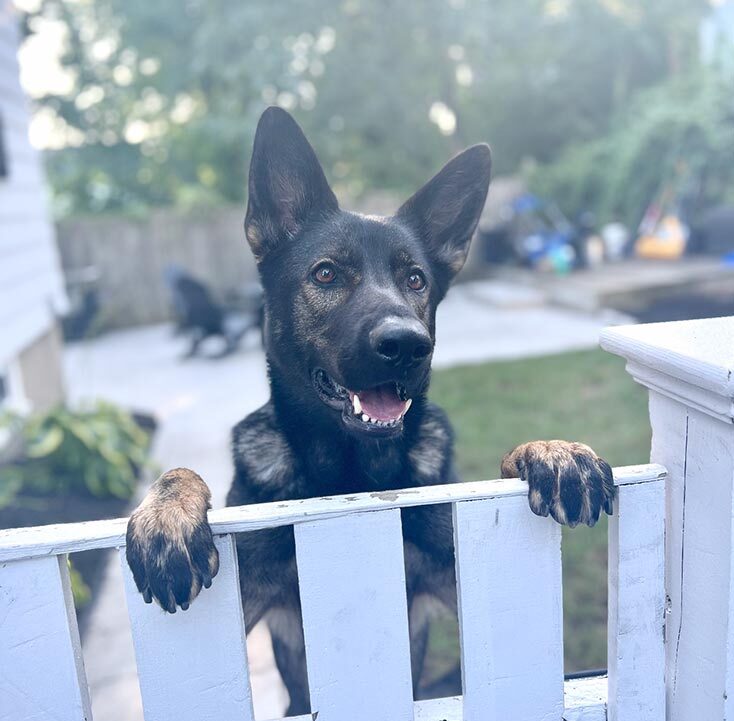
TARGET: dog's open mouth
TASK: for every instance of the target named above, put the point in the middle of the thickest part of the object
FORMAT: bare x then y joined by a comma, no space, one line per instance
378,410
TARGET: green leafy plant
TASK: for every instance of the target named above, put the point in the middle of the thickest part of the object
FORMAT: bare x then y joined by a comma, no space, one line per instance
678,133
99,451
79,589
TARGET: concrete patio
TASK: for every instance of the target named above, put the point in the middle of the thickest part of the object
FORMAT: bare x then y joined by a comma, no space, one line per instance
197,401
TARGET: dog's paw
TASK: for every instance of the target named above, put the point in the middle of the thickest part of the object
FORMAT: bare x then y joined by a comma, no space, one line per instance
170,548
566,480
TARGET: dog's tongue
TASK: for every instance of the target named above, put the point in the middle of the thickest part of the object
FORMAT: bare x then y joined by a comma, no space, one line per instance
382,403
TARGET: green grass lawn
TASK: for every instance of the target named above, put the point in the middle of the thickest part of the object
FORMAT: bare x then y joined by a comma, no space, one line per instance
584,396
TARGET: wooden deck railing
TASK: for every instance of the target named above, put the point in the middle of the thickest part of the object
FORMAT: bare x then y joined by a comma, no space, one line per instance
193,665
671,587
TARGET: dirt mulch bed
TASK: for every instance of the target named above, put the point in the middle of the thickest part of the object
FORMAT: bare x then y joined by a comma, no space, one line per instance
684,306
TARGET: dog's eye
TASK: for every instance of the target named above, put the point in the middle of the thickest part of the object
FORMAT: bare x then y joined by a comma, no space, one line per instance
324,274
416,280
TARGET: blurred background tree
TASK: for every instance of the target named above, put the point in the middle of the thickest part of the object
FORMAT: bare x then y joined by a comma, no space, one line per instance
164,96
678,134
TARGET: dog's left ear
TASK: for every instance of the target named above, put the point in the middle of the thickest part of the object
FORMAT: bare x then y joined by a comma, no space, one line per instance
446,210
287,186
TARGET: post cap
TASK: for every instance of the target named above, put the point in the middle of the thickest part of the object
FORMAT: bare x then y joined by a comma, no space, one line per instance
691,361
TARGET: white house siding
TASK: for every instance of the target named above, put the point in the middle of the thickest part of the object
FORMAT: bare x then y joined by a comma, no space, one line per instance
31,287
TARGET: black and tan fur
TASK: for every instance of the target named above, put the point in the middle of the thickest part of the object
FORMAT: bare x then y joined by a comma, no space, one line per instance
370,325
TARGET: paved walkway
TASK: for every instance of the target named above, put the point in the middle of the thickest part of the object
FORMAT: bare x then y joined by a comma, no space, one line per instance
196,403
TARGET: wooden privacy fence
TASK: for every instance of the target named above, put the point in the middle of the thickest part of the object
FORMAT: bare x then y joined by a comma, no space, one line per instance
671,587
193,665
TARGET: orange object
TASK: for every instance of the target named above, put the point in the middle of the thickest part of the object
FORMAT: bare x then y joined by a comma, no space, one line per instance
667,241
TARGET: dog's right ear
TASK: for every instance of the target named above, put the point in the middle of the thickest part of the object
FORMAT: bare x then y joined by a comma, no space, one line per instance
287,185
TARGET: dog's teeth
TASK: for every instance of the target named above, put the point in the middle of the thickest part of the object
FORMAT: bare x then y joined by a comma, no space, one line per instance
365,418
357,405
407,405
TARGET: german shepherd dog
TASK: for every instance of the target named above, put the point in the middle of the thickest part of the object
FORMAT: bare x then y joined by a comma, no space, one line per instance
350,306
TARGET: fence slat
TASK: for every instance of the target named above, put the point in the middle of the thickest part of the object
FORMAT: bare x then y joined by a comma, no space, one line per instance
192,666
636,649
355,617
41,669
508,565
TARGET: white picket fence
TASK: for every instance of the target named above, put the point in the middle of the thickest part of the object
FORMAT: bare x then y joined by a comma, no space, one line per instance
671,655
193,666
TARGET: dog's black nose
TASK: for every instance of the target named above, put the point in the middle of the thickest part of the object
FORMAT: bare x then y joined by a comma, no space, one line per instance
401,341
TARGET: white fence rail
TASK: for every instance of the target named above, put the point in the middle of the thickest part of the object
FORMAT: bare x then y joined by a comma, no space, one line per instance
193,666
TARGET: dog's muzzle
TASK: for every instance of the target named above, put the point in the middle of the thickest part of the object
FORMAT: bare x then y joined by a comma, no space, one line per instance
379,410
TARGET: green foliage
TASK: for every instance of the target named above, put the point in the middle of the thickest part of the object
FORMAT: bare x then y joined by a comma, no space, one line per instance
10,485
165,96
79,589
680,134
98,451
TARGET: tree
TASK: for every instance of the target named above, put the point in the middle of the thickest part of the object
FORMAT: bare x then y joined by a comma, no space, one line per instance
678,134
166,94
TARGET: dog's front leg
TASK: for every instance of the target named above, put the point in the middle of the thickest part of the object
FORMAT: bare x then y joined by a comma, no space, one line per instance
566,480
170,548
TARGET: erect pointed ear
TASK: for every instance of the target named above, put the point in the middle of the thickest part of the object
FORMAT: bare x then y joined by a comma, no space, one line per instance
287,186
446,210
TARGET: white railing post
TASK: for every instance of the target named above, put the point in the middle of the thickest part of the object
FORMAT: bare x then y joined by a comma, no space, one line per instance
41,669
508,572
636,647
688,368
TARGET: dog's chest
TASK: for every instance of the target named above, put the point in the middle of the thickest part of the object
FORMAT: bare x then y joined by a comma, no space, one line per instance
335,469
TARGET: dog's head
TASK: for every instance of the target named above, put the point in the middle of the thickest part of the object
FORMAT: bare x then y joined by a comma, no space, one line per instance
351,299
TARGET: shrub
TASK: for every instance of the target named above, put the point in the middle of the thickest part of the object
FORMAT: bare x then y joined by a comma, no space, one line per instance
79,589
679,133
98,451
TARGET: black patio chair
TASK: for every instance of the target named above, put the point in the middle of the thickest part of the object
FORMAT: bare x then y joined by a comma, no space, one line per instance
200,316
